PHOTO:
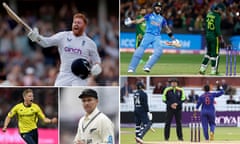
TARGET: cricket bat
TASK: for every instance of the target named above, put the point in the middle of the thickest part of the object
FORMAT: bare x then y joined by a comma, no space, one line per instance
15,17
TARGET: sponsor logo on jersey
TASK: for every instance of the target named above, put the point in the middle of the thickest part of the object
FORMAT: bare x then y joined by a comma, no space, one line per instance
73,50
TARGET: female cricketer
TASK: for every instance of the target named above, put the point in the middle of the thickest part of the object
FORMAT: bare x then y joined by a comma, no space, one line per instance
27,114
208,114
141,113
72,45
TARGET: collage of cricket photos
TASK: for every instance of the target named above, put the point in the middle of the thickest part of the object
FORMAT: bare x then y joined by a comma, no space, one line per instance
119,71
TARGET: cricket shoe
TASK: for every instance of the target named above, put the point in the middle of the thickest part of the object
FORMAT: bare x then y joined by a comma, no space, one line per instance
180,139
211,136
146,69
202,71
214,73
139,140
130,71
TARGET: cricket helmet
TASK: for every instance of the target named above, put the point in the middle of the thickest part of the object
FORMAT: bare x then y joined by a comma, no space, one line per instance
140,85
81,68
156,4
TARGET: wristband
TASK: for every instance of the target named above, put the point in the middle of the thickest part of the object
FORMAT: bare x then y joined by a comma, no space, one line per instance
170,34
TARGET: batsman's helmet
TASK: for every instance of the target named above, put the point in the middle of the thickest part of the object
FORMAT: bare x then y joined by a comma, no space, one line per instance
140,85
81,68
156,4
206,88
88,93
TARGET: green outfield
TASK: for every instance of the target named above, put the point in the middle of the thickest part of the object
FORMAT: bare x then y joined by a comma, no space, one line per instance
222,135
173,64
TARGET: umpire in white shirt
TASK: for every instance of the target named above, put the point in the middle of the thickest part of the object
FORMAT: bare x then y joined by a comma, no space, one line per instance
95,127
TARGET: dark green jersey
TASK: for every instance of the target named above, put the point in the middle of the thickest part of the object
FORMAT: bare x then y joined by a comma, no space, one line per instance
140,28
213,23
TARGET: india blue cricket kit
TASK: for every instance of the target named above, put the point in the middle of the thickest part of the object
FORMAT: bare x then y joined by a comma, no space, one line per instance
152,36
140,111
206,101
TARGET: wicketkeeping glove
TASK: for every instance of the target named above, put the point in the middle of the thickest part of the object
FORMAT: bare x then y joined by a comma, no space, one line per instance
96,69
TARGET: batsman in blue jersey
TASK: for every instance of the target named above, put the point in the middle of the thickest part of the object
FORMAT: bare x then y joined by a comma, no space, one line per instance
208,114
141,112
154,24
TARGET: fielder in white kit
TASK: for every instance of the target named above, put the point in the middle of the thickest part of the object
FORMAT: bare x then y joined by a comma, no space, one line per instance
72,45
95,127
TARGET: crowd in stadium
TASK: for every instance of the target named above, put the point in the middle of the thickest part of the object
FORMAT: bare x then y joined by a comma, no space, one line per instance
23,63
187,15
46,98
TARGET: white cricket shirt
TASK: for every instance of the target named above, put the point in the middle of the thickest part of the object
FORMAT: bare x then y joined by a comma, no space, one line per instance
71,48
96,128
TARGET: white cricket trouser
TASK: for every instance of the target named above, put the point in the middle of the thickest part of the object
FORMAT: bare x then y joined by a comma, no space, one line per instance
69,79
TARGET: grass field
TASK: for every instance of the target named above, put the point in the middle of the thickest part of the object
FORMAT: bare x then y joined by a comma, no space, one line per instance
173,64
223,135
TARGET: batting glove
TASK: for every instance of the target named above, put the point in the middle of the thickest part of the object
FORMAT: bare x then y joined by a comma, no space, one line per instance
34,35
149,116
96,69
176,43
128,21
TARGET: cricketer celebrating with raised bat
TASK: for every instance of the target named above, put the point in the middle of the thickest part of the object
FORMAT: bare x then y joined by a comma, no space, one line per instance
208,113
154,24
78,53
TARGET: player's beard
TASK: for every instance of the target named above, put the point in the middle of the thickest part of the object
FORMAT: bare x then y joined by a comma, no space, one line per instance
78,31
157,10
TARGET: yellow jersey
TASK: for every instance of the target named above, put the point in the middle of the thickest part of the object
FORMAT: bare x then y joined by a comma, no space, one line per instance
27,116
